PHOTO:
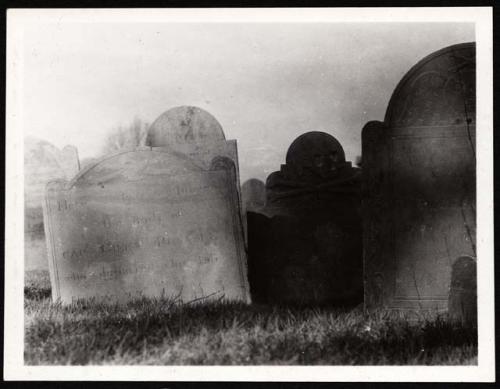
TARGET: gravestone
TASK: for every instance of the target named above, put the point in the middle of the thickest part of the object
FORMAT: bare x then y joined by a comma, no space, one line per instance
462,303
420,185
253,194
253,199
305,245
146,222
194,132
43,162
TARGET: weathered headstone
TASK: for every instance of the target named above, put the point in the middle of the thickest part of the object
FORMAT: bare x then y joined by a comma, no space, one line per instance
147,222
420,185
462,302
194,132
305,244
43,162
253,194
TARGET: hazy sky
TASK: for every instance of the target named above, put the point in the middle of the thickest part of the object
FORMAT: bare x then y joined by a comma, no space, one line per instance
265,83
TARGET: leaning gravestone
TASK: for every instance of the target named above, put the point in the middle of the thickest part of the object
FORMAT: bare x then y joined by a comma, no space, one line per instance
305,245
43,162
146,222
420,185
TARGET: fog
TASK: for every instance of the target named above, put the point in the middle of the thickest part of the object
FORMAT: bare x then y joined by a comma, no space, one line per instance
265,83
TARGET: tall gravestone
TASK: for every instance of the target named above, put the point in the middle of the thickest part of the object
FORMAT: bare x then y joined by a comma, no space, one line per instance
146,222
43,162
305,245
196,133
420,185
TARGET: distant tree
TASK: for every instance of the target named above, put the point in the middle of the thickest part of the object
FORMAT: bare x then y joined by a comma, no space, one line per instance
358,161
128,136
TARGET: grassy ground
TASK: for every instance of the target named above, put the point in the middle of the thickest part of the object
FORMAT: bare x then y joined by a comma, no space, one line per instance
160,332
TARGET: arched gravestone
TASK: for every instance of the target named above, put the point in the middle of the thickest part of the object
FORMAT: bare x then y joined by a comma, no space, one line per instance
420,185
146,222
253,199
253,194
305,244
194,132
43,162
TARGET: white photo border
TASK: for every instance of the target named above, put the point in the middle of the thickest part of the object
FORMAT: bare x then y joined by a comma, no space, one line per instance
14,368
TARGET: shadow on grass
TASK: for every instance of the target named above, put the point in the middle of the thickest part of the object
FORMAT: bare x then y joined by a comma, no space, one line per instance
163,332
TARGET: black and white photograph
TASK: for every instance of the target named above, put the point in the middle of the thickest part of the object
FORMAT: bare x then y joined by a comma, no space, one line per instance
249,194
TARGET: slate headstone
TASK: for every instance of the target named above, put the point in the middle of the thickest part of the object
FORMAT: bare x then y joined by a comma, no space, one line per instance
146,222
419,185
305,244
43,162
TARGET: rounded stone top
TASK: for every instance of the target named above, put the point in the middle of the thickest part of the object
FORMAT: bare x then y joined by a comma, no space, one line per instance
184,124
463,273
440,90
315,148
253,190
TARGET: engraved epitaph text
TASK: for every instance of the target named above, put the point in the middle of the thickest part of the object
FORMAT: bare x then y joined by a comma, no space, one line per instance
146,223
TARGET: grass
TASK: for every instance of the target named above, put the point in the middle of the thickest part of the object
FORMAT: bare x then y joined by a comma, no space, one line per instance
162,332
